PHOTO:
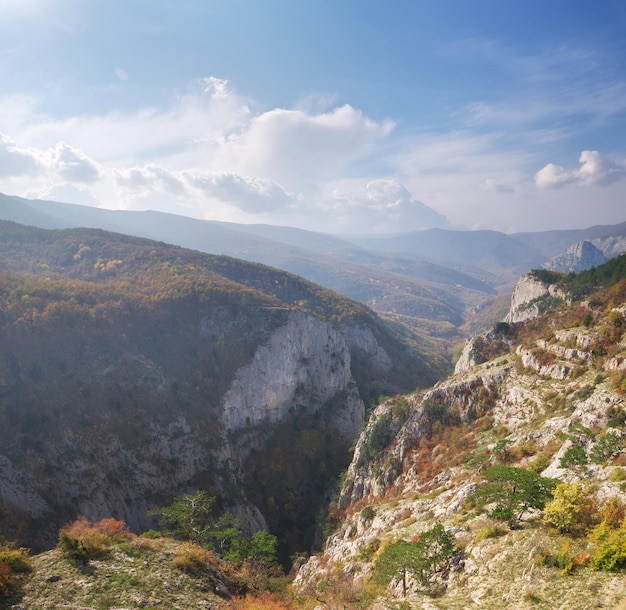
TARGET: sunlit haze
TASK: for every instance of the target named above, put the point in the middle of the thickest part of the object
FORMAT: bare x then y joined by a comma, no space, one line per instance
344,116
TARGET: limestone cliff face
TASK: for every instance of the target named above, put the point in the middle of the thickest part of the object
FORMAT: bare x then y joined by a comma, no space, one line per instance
132,421
529,298
578,257
421,456
305,362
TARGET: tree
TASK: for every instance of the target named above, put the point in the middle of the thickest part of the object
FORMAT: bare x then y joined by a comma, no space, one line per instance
513,491
189,517
424,558
260,548
396,561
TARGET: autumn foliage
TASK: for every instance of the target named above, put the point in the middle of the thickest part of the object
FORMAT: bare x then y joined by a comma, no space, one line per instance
82,539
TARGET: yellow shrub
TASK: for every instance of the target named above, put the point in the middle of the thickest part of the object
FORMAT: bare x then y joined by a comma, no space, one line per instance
573,509
190,558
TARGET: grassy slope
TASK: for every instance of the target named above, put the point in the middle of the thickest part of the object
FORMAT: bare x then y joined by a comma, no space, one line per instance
424,473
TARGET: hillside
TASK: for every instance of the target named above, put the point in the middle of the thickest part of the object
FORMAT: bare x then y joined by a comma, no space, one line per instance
432,297
510,475
132,371
520,459
430,284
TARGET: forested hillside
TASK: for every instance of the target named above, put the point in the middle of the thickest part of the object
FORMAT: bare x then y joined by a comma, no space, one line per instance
132,370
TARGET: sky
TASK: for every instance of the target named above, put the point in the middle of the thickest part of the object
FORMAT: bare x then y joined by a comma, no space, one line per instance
342,116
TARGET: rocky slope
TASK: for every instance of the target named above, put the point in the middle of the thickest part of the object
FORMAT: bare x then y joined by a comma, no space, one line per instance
131,371
578,257
547,390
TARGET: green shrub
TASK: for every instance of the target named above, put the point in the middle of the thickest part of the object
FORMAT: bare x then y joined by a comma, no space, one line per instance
607,447
14,562
368,513
575,455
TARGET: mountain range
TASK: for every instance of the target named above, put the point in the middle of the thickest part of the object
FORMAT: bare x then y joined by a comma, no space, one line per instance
432,282
131,371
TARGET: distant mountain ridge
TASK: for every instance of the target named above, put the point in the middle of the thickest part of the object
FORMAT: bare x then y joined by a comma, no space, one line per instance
579,257
429,281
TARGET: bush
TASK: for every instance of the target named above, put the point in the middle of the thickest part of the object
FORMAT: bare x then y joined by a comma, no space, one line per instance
610,552
607,447
83,540
575,455
368,513
13,563
572,510
190,558
564,559
619,474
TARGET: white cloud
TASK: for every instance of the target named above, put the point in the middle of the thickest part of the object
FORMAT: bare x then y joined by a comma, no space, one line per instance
65,192
16,161
595,170
598,169
249,194
211,153
298,150
72,164
149,178
378,206
495,186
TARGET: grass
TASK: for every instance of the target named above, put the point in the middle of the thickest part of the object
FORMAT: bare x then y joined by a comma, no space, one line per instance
161,573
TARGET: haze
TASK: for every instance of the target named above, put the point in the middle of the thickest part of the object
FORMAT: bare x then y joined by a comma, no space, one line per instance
355,116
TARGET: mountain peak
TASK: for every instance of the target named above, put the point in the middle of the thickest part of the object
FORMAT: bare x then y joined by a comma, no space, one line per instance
578,257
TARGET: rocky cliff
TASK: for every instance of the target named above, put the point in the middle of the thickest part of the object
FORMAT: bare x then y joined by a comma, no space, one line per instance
578,257
132,371
304,362
138,429
532,296
551,403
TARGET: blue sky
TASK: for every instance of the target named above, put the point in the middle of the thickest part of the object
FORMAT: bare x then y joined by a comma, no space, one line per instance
333,115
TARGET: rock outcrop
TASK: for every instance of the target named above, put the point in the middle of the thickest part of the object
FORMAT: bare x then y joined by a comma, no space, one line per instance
304,362
532,296
578,257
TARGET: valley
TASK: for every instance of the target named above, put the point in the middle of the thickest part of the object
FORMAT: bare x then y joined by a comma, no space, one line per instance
133,372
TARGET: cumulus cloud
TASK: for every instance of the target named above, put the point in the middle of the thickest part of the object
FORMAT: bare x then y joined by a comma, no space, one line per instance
595,170
71,164
16,161
381,205
297,149
249,194
121,74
